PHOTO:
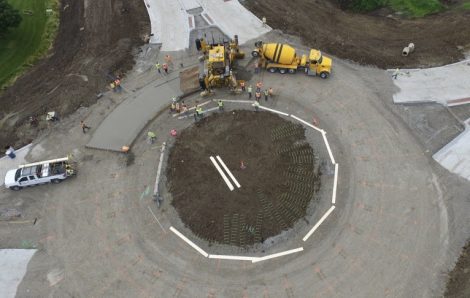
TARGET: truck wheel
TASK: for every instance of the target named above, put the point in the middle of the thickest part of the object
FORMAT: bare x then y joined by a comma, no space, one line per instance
292,71
282,70
56,181
272,69
255,53
324,75
16,188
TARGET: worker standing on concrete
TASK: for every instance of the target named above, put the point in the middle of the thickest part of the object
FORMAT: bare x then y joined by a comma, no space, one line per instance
199,112
396,73
220,103
151,137
270,92
242,85
169,60
159,68
84,127
264,21
10,152
259,85
250,90
266,94
165,68
258,96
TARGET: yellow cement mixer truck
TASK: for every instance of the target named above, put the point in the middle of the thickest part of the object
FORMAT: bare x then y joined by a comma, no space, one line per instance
283,58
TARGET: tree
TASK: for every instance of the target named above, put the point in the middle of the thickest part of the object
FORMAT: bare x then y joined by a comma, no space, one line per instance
9,17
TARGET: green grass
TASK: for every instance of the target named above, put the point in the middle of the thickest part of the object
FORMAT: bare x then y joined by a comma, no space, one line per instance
417,8
21,47
466,5
413,8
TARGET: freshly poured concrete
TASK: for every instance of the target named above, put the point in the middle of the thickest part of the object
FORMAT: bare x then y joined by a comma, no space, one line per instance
447,85
123,125
455,156
171,22
13,263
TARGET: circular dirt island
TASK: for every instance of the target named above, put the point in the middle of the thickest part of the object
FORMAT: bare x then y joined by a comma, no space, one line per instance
277,178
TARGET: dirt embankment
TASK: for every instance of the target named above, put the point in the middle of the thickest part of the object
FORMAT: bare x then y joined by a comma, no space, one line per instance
94,42
375,39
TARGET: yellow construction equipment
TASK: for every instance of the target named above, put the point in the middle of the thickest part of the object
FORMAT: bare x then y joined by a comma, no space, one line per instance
219,62
283,58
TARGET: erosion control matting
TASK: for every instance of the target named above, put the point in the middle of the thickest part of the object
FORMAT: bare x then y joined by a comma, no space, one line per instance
277,183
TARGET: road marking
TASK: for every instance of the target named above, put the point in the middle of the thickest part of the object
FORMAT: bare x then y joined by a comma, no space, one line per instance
308,124
230,186
280,254
328,147
159,170
237,258
150,209
237,101
200,250
228,171
335,185
318,223
274,111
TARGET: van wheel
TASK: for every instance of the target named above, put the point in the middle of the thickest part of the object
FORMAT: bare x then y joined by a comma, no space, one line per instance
324,75
282,70
55,181
292,71
272,69
255,53
16,188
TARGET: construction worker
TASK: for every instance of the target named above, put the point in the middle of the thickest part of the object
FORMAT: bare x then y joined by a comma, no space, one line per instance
264,21
199,112
396,73
220,103
117,83
165,68
151,137
266,94
257,96
168,59
159,68
84,127
184,109
242,85
270,92
256,105
178,108
173,107
112,86
250,90
259,85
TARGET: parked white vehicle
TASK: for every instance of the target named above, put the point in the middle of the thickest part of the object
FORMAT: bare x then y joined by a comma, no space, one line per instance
49,171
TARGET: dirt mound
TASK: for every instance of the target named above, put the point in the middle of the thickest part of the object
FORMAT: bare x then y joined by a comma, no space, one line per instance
277,184
370,39
459,285
94,43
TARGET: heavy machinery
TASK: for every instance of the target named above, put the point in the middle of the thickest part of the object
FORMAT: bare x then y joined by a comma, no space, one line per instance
283,58
219,62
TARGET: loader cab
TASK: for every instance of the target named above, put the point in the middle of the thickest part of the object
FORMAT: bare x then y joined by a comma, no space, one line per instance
318,65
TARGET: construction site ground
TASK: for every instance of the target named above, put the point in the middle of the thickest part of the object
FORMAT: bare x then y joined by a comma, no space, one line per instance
400,219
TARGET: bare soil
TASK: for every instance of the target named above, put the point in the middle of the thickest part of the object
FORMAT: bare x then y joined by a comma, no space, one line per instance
277,184
458,285
373,39
95,43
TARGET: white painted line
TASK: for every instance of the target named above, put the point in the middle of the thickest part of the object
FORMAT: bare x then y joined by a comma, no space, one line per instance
230,186
228,171
308,124
237,101
280,254
204,111
328,148
150,209
159,170
200,250
274,111
236,258
319,223
335,185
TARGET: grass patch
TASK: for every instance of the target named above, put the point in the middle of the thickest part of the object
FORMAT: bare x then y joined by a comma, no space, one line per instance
417,8
21,47
414,8
466,5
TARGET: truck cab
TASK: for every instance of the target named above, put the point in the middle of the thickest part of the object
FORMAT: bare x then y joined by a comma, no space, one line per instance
318,65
